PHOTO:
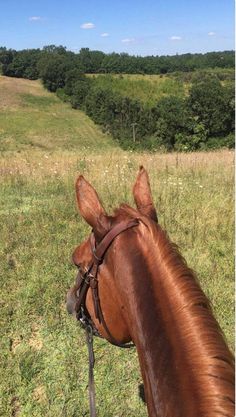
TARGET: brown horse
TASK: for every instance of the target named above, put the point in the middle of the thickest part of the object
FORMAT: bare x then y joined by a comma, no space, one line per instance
149,295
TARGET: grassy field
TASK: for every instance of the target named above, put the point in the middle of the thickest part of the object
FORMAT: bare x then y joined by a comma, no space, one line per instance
147,88
43,355
150,88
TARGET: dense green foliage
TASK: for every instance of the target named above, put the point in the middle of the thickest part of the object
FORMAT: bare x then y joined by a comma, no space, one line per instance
21,65
168,117
99,62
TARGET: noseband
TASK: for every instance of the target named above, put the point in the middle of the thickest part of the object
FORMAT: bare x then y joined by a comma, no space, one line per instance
89,279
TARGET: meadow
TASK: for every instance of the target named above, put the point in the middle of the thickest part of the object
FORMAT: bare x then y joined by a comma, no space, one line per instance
44,146
147,88
150,88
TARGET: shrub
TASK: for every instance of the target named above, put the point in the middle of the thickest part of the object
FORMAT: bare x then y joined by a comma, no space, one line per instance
210,103
62,95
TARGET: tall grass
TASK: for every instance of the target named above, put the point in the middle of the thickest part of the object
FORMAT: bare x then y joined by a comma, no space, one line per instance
147,88
44,359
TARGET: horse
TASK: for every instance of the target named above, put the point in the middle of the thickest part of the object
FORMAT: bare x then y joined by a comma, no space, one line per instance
143,291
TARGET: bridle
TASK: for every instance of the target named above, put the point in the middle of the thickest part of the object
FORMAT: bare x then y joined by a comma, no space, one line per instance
89,279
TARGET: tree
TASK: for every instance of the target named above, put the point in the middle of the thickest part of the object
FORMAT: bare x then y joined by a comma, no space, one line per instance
22,64
77,86
90,61
211,105
193,138
52,70
6,57
171,117
53,49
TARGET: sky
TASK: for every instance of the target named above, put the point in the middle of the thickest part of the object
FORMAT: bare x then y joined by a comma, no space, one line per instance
138,27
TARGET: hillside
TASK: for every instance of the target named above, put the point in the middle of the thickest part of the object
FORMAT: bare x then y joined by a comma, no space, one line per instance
31,117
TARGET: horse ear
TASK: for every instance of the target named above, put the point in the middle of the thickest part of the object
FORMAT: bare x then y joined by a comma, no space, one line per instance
91,208
143,196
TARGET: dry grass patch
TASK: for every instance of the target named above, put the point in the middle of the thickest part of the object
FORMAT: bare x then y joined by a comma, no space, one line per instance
12,88
115,164
35,340
39,394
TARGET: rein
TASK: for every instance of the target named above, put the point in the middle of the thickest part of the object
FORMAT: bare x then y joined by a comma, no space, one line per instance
89,279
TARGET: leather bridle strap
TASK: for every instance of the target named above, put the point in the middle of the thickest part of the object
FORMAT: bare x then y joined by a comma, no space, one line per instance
90,279
98,256
100,250
89,339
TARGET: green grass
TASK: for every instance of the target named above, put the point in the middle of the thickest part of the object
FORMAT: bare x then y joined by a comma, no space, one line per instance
44,360
150,88
147,88
42,121
44,370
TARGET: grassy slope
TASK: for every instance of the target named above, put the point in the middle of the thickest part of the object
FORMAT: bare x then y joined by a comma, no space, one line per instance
31,117
44,358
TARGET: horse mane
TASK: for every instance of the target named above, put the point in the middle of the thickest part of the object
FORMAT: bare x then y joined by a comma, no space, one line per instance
199,334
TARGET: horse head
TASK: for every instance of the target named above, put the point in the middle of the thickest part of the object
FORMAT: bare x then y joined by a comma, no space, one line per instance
114,325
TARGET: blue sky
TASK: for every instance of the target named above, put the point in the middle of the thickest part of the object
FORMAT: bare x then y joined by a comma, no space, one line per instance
140,27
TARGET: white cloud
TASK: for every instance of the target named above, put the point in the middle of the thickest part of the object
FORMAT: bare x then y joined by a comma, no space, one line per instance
175,38
104,35
35,18
211,33
87,26
128,40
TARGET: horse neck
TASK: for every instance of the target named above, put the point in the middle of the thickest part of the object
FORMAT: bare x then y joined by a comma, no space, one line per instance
185,363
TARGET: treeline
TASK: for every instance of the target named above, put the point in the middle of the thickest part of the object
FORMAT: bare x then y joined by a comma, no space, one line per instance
26,63
202,119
